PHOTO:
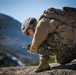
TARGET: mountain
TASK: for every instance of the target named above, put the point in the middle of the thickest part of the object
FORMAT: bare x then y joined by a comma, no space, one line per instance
10,30
9,57
11,36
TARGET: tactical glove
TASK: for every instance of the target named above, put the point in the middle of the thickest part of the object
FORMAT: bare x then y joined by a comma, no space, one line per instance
33,51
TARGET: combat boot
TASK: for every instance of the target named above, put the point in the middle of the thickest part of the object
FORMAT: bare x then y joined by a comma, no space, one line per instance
43,66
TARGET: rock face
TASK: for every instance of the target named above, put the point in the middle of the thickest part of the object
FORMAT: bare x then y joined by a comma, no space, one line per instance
57,69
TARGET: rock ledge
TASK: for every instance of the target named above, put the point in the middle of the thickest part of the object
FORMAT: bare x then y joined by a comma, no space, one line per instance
57,69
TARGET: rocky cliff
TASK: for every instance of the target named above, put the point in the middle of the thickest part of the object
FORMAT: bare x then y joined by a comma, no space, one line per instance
57,69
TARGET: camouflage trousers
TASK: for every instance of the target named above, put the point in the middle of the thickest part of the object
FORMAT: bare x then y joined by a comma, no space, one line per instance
65,50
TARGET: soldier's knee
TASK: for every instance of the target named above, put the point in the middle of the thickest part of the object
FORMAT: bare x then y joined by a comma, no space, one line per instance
42,56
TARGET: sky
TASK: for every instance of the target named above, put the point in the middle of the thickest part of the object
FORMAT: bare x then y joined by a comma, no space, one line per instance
22,9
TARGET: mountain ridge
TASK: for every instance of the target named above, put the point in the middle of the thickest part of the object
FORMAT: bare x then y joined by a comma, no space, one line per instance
12,38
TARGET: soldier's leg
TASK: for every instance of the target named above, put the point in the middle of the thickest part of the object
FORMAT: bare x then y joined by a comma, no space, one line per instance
44,58
66,55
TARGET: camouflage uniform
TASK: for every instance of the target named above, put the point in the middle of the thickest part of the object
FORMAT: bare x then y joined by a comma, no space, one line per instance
56,45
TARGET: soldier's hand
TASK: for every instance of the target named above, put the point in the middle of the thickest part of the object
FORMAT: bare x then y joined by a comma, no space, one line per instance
28,47
30,51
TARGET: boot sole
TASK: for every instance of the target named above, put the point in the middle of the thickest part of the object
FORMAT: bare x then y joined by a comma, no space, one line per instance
42,70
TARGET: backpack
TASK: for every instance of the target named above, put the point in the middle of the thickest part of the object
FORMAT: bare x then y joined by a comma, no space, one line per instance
66,15
71,11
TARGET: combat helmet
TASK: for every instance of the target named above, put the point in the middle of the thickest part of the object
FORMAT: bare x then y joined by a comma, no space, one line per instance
26,25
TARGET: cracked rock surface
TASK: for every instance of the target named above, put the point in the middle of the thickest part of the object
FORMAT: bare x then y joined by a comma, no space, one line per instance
57,69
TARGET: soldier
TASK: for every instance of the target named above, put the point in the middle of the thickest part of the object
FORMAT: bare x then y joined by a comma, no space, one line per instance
54,34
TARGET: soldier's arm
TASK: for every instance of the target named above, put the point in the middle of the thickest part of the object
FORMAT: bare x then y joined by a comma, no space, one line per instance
41,33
